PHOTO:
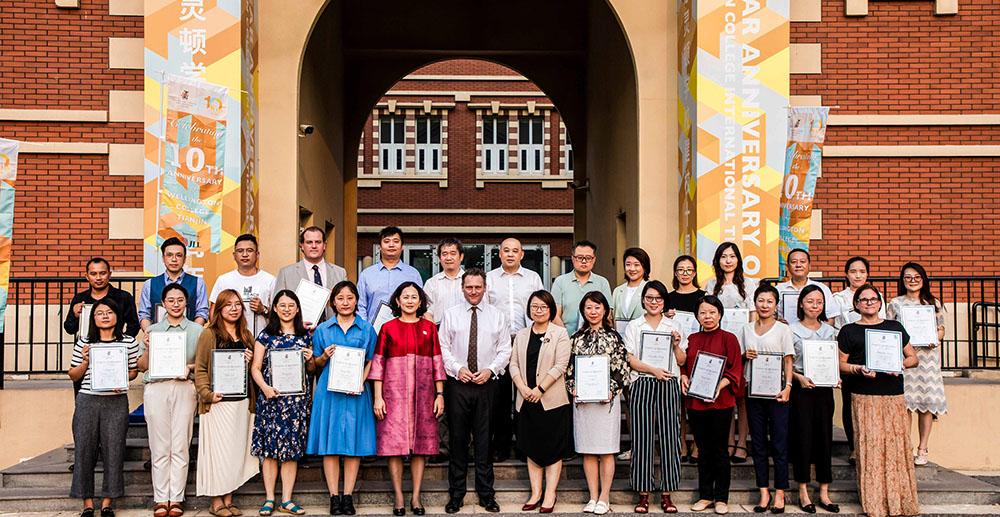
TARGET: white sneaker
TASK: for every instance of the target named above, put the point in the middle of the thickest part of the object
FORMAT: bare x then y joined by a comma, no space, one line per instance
920,459
601,508
625,456
591,505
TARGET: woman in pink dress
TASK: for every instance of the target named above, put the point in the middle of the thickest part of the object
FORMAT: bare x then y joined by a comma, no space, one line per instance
408,377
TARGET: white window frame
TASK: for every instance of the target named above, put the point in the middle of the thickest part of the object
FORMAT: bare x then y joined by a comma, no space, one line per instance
568,158
497,149
531,154
428,152
392,154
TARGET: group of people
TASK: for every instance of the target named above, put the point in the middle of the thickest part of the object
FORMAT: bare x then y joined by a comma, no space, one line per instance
475,358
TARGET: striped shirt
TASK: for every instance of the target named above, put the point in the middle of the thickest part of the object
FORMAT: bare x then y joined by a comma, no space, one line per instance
133,359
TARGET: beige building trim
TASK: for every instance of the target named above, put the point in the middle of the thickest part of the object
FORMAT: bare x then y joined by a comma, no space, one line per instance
28,115
945,7
125,53
514,211
125,106
457,94
806,10
474,229
126,159
806,58
125,223
431,77
514,176
856,8
63,148
375,180
806,100
68,4
816,225
125,7
910,150
984,119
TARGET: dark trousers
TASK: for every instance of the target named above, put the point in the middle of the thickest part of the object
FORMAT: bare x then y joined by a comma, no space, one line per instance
768,421
811,433
469,408
502,428
100,424
846,415
711,434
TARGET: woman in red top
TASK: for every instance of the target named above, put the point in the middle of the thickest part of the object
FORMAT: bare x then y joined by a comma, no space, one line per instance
710,419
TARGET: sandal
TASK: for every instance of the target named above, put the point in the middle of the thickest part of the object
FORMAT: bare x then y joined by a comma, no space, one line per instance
233,509
161,510
291,508
666,504
267,508
176,510
643,505
738,459
220,511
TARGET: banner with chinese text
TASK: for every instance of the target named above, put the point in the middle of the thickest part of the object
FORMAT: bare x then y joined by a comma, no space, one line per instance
803,164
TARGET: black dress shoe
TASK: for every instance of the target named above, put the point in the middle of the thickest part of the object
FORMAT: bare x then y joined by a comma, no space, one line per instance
490,505
453,506
347,505
776,510
335,505
809,508
399,512
87,512
107,511
832,507
417,510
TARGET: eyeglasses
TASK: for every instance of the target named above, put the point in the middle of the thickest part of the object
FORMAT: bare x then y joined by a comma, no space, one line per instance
685,271
103,314
869,301
584,258
912,278
539,308
653,299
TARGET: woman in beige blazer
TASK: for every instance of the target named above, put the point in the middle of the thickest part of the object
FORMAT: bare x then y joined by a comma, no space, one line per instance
538,362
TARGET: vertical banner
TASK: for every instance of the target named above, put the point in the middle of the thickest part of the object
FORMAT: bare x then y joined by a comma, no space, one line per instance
206,41
803,162
733,98
8,175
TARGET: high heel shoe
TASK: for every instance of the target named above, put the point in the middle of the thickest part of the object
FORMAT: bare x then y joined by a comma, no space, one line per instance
550,509
763,508
530,507
399,512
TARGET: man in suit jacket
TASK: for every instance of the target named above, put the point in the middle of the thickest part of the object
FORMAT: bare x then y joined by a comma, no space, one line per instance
312,267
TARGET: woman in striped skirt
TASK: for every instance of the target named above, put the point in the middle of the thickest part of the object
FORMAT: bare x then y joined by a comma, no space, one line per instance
655,402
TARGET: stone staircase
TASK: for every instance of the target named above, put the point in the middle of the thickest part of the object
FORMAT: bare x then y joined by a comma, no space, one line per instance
42,483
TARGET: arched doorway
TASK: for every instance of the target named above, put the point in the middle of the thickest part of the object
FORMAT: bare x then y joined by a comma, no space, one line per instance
578,53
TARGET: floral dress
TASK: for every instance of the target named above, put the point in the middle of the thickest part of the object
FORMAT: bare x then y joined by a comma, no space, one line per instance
597,426
281,425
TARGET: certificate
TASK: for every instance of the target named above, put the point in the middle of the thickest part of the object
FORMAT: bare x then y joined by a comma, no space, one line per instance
767,377
168,355
920,322
229,373
288,371
109,367
657,349
313,299
735,319
620,326
687,321
85,311
593,378
821,362
884,351
706,375
382,316
852,316
790,306
347,370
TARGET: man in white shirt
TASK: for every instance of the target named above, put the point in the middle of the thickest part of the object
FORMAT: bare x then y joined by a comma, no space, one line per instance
475,348
254,285
312,268
444,290
797,265
508,289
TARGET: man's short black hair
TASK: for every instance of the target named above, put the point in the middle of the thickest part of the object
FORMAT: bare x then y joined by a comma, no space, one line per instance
173,241
389,231
449,241
97,260
322,233
246,237
586,243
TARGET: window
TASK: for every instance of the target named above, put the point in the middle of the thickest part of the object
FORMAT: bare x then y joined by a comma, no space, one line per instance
429,144
529,143
494,144
391,144
424,258
568,157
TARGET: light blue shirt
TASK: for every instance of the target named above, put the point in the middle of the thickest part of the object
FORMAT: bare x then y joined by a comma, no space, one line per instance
568,291
377,283
200,298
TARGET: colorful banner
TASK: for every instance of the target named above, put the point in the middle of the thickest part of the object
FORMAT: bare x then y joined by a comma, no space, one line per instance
733,81
8,175
214,41
803,161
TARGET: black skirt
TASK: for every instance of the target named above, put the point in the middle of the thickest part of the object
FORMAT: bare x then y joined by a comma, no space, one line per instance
545,436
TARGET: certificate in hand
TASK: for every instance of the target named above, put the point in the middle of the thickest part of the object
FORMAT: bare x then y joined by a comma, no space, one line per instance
593,378
687,321
657,349
382,316
288,371
159,313
313,299
790,306
85,311
229,373
920,322
347,370
821,362
620,326
109,367
734,319
852,316
884,351
767,376
168,355
705,377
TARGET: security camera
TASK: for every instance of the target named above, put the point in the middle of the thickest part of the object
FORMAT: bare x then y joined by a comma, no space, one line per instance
306,129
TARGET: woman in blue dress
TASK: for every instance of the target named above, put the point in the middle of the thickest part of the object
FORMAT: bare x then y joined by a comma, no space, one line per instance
281,424
343,424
